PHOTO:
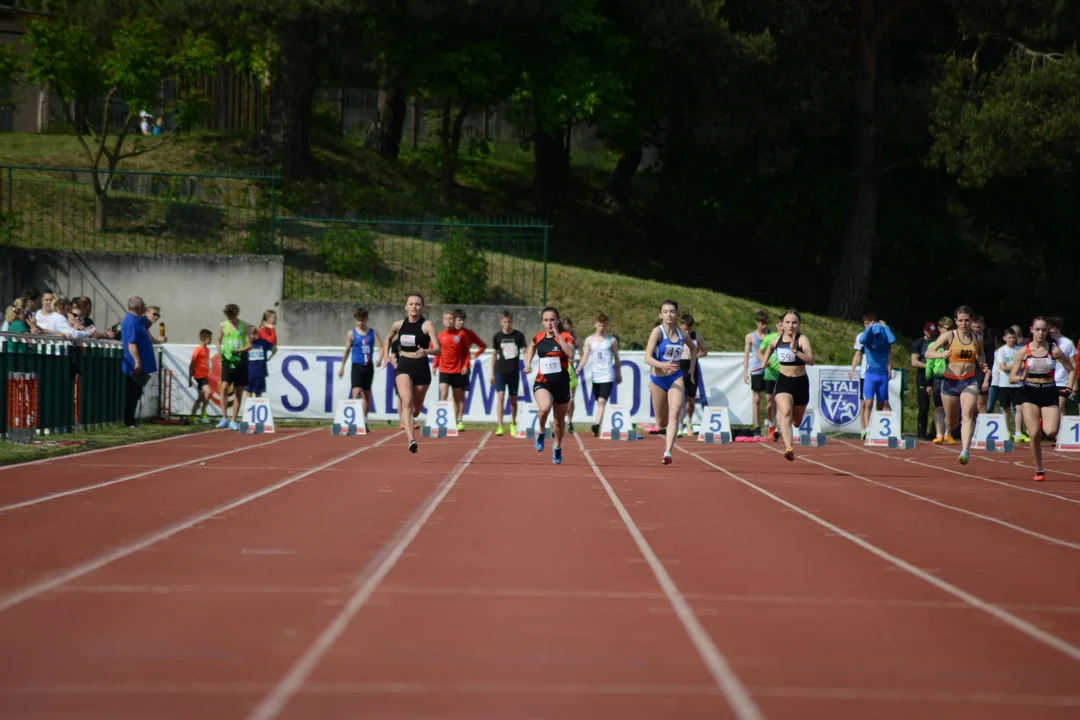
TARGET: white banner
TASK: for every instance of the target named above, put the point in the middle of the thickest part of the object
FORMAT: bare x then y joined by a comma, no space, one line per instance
303,382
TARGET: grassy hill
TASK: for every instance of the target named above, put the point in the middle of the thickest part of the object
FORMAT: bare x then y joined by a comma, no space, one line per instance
584,276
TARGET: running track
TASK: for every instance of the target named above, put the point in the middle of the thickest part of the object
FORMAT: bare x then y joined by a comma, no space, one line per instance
300,575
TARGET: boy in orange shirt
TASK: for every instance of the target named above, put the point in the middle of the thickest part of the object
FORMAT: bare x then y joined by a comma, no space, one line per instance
199,372
453,363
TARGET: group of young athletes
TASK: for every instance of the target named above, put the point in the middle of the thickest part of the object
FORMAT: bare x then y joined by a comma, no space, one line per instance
244,352
1040,374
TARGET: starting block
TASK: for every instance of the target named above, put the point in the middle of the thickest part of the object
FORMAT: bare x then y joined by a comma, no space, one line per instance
530,433
722,438
337,430
907,442
993,446
631,434
428,431
812,440
252,429
349,420
258,417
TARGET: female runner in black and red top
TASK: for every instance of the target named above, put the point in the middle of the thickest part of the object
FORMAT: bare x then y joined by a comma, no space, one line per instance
1035,366
417,340
554,347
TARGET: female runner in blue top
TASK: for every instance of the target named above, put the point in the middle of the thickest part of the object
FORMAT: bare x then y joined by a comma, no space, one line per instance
417,339
792,385
666,383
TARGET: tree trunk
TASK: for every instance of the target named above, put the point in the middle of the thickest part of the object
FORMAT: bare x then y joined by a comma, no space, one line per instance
621,178
450,137
101,210
851,280
550,168
293,91
390,117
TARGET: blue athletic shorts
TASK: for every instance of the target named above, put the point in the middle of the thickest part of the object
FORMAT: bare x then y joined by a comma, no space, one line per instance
876,387
665,382
955,388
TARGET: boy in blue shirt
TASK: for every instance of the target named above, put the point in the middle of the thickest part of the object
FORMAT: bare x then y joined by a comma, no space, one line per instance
876,341
258,352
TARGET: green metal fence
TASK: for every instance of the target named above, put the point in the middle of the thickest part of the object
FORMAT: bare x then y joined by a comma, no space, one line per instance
143,212
381,260
79,385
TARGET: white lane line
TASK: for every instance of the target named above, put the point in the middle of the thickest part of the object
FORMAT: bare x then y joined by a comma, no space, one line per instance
1014,486
145,473
1013,621
735,693
954,508
276,700
12,599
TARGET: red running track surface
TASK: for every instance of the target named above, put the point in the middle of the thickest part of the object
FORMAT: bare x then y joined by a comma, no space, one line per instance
307,576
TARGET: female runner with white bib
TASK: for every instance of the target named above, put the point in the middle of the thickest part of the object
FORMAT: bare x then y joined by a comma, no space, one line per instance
604,351
417,339
551,388
666,383
792,385
1035,366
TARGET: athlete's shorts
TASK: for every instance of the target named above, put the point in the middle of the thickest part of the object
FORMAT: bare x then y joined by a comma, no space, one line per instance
256,386
1041,396
362,376
954,388
757,382
665,382
1008,396
201,383
510,383
602,390
417,369
233,375
559,387
797,387
454,380
770,381
691,381
876,386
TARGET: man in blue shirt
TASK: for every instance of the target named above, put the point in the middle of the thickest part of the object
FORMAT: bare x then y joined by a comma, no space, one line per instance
139,361
876,341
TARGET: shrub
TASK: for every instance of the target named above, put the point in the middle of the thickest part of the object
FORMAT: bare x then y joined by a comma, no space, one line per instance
350,252
461,270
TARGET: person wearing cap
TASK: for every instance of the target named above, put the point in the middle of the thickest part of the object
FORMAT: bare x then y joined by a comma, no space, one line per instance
918,366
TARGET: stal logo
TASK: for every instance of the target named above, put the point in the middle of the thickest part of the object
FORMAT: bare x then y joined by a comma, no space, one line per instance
839,397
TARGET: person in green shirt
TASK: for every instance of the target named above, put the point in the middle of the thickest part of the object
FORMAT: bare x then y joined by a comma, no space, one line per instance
772,372
230,340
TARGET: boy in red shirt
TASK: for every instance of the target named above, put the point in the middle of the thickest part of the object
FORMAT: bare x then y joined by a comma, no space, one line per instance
453,363
199,372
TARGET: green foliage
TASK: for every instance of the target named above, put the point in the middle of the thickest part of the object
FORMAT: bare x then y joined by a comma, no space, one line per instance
350,252
461,271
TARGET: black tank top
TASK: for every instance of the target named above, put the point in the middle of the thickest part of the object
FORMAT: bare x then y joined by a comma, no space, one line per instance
412,337
785,352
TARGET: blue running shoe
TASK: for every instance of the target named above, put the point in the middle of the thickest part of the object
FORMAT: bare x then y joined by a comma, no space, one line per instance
540,442
556,456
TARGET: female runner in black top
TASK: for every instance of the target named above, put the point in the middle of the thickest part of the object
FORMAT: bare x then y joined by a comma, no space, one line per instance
417,339
551,388
1035,366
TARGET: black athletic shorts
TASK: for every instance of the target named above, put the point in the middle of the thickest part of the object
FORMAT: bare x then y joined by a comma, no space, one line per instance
362,376
1041,396
797,387
757,382
602,390
416,368
454,380
558,386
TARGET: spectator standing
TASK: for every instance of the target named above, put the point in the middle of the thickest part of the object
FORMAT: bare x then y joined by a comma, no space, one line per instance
139,361
1068,349
45,308
922,382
